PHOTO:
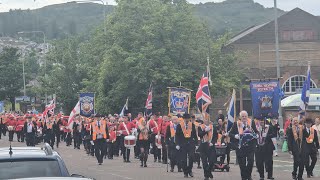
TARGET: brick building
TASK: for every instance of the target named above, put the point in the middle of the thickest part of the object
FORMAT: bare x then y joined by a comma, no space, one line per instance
299,42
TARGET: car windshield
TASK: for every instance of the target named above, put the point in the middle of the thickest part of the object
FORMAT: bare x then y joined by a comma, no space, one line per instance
31,168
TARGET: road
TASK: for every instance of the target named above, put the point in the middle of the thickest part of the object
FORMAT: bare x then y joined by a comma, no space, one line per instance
79,163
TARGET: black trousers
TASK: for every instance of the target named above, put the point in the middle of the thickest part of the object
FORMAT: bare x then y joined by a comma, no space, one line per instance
298,162
111,149
313,156
208,158
20,136
99,149
30,138
156,151
187,157
164,150
245,158
68,138
223,157
11,133
173,156
58,136
50,138
264,160
117,145
76,140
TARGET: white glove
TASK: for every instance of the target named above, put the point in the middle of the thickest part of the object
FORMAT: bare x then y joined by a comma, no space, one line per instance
210,144
178,148
264,135
120,132
226,134
207,129
257,136
197,147
107,140
237,136
92,143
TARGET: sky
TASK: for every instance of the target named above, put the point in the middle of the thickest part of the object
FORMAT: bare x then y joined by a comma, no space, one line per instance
311,6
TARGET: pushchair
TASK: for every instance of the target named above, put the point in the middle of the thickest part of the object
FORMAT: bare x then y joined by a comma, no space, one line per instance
221,150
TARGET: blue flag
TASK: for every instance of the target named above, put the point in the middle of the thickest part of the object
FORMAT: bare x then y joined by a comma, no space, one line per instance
305,94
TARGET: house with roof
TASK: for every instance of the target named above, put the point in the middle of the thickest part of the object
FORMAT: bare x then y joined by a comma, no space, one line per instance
299,43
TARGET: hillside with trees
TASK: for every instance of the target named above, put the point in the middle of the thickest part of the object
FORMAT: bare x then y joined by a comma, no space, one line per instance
61,20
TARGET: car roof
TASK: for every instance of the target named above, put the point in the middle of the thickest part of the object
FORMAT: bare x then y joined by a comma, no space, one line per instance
54,178
28,152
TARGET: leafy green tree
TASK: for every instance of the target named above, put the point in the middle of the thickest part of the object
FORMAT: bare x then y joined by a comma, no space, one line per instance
11,81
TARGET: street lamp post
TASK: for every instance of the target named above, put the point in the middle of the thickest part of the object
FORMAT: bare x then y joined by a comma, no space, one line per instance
276,32
45,61
104,11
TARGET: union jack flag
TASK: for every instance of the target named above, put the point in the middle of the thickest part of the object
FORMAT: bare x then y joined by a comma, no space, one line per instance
203,94
149,102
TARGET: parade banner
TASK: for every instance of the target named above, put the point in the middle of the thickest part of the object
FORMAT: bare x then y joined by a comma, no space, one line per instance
265,97
86,104
179,101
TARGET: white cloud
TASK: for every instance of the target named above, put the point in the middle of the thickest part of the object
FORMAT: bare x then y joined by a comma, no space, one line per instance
311,6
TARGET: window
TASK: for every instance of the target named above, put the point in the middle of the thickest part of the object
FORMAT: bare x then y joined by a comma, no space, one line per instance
298,35
291,85
27,169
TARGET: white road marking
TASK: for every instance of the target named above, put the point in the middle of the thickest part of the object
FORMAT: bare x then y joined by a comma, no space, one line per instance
117,175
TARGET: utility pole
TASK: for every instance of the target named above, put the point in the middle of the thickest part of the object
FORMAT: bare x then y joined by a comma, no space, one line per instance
276,32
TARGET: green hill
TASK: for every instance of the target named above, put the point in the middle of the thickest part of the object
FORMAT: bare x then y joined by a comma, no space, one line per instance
58,21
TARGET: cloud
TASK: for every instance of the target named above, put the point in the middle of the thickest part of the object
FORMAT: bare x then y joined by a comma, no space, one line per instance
311,6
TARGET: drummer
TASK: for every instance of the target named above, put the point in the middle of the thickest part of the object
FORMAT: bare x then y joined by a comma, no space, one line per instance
11,123
125,129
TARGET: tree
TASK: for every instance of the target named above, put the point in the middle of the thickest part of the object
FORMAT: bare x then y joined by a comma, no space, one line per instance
11,75
152,40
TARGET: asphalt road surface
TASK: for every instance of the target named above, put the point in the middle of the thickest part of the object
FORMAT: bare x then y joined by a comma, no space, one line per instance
78,162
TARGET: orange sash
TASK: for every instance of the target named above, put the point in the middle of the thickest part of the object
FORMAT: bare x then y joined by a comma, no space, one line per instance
172,131
186,132
207,137
294,131
240,128
311,136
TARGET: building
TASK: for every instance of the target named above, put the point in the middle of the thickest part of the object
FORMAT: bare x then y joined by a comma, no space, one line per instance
299,42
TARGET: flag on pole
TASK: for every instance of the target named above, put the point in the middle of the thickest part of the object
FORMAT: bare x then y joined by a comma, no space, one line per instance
203,94
124,109
305,94
148,106
74,112
50,108
231,110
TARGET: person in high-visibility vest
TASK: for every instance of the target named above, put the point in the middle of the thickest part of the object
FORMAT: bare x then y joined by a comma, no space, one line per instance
99,137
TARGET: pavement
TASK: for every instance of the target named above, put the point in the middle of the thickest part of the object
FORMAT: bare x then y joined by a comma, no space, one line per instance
78,162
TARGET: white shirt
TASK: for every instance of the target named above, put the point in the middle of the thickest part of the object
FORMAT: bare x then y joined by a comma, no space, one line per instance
29,128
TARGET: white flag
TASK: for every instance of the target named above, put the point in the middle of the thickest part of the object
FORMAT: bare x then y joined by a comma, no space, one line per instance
74,112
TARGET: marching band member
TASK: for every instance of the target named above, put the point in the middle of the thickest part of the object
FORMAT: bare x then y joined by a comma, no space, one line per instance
99,137
11,123
171,144
48,131
312,147
209,136
316,126
197,154
246,148
112,141
155,127
265,147
296,139
222,132
186,138
30,129
19,129
125,128
143,141
76,131
67,132
57,127
164,126
119,139
136,122
2,125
